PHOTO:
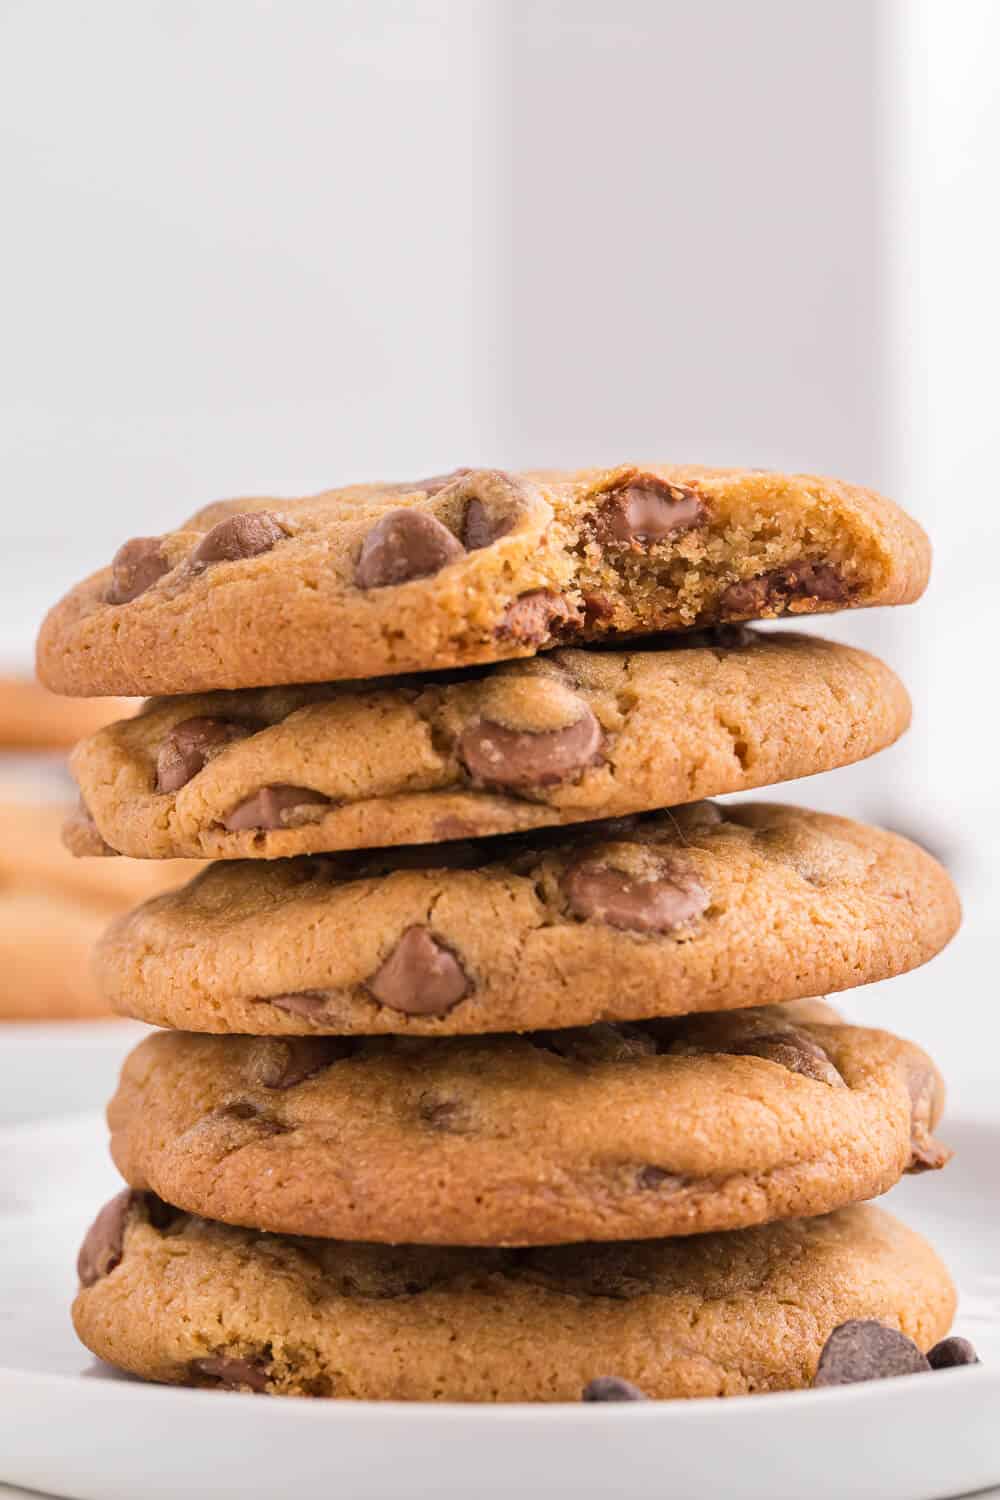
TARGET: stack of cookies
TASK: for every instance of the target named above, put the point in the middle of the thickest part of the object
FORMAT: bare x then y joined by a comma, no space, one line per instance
491,1065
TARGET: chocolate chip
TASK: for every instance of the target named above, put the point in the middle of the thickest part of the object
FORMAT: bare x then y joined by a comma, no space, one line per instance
530,619
927,1154
436,482
403,545
498,756
791,1049
189,747
281,1063
420,977
245,535
952,1352
135,567
245,1112
659,904
450,1116
231,1374
611,1388
650,1179
771,592
311,1007
601,1043
863,1349
101,1250
598,609
480,528
647,509
269,808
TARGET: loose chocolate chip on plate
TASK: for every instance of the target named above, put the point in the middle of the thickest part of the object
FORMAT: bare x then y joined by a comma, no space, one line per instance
952,1352
403,545
189,747
232,1374
101,1250
611,1388
269,808
660,904
239,537
517,758
421,977
136,566
532,618
864,1349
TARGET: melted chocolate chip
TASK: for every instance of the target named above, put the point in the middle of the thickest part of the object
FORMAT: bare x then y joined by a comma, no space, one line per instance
270,808
281,1063
101,1250
136,566
658,904
231,1374
518,758
535,617
772,592
189,747
647,509
403,545
480,528
239,537
421,977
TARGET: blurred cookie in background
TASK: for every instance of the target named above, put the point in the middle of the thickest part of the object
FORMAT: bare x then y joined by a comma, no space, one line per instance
53,908
32,718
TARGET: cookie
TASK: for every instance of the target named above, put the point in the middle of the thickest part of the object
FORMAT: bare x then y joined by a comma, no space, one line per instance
602,1133
717,1315
474,566
53,909
31,718
701,908
565,737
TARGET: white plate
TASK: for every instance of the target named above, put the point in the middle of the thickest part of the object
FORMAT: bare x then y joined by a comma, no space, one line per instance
78,1430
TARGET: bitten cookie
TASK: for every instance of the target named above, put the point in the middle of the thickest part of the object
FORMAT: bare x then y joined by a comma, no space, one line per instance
702,908
565,737
605,1133
720,1315
474,566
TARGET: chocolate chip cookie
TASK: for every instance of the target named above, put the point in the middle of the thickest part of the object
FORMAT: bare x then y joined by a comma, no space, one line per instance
474,566
718,1315
602,1133
700,908
568,736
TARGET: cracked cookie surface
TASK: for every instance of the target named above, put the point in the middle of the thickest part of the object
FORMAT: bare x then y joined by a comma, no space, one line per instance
601,1133
565,737
699,908
179,1300
475,566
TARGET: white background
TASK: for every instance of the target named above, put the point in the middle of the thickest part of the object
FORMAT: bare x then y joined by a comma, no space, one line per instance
267,248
